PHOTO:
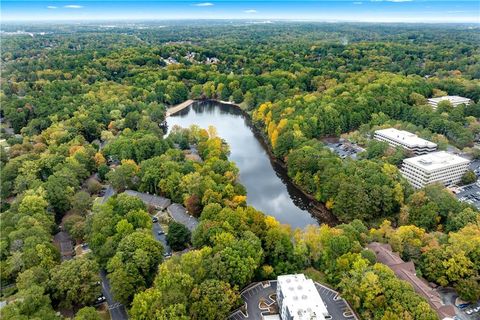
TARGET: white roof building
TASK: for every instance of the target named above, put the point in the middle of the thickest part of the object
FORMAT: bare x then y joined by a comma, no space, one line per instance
438,166
405,139
298,299
454,101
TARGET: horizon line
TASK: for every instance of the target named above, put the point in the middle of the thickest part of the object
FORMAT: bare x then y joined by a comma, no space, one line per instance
17,21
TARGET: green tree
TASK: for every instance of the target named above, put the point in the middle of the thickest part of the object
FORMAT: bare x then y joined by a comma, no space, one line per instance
81,202
125,203
376,149
178,236
87,313
212,299
122,177
103,170
75,226
74,282
148,305
468,289
133,266
237,96
469,177
59,192
32,303
457,221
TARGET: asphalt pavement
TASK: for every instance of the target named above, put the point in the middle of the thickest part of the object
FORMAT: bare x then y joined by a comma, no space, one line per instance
474,164
336,306
162,238
470,194
116,309
108,193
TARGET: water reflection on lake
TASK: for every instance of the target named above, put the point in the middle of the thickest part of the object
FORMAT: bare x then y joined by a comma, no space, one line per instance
268,189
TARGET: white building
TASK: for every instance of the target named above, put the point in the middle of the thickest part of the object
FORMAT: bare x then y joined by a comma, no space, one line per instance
298,299
438,166
405,139
454,101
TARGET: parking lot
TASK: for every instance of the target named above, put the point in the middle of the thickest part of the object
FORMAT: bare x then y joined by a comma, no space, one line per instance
345,149
253,294
463,310
469,312
470,194
475,166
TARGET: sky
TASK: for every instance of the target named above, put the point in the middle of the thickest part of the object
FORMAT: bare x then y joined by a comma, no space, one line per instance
313,10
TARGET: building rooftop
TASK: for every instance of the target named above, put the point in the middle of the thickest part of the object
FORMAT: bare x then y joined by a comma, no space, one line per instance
301,297
160,203
406,271
272,317
455,100
436,160
408,138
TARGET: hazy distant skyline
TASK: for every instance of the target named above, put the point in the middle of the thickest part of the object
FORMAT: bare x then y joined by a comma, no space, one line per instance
467,11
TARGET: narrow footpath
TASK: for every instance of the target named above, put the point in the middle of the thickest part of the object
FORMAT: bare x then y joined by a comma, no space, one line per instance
178,107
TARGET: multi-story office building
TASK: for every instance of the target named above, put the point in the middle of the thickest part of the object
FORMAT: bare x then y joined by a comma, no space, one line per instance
454,101
438,166
298,299
405,139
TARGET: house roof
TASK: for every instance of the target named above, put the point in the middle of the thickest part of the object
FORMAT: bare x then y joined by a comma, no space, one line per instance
406,271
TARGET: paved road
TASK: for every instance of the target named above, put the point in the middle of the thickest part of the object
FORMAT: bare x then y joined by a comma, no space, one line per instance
116,309
160,237
108,193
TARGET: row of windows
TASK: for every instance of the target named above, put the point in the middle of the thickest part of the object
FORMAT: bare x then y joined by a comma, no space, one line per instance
437,172
444,175
419,181
416,149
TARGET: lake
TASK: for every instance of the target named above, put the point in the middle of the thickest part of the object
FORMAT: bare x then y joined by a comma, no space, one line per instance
268,188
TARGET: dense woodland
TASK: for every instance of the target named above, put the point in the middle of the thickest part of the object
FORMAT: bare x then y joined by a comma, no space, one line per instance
84,106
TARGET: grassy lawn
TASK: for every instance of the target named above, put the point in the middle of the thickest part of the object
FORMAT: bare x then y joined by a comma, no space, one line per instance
315,275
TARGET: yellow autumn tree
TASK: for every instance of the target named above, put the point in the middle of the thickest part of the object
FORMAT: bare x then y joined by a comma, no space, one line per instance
99,159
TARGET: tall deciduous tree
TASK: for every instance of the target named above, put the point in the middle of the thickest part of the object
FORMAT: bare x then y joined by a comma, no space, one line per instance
74,282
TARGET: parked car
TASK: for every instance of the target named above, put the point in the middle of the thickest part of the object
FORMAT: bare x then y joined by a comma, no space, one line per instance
154,219
100,300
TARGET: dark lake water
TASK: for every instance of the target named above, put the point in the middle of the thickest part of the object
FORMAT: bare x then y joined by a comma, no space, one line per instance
268,188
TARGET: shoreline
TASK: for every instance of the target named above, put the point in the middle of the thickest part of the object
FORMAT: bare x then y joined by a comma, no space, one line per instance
317,209
179,107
